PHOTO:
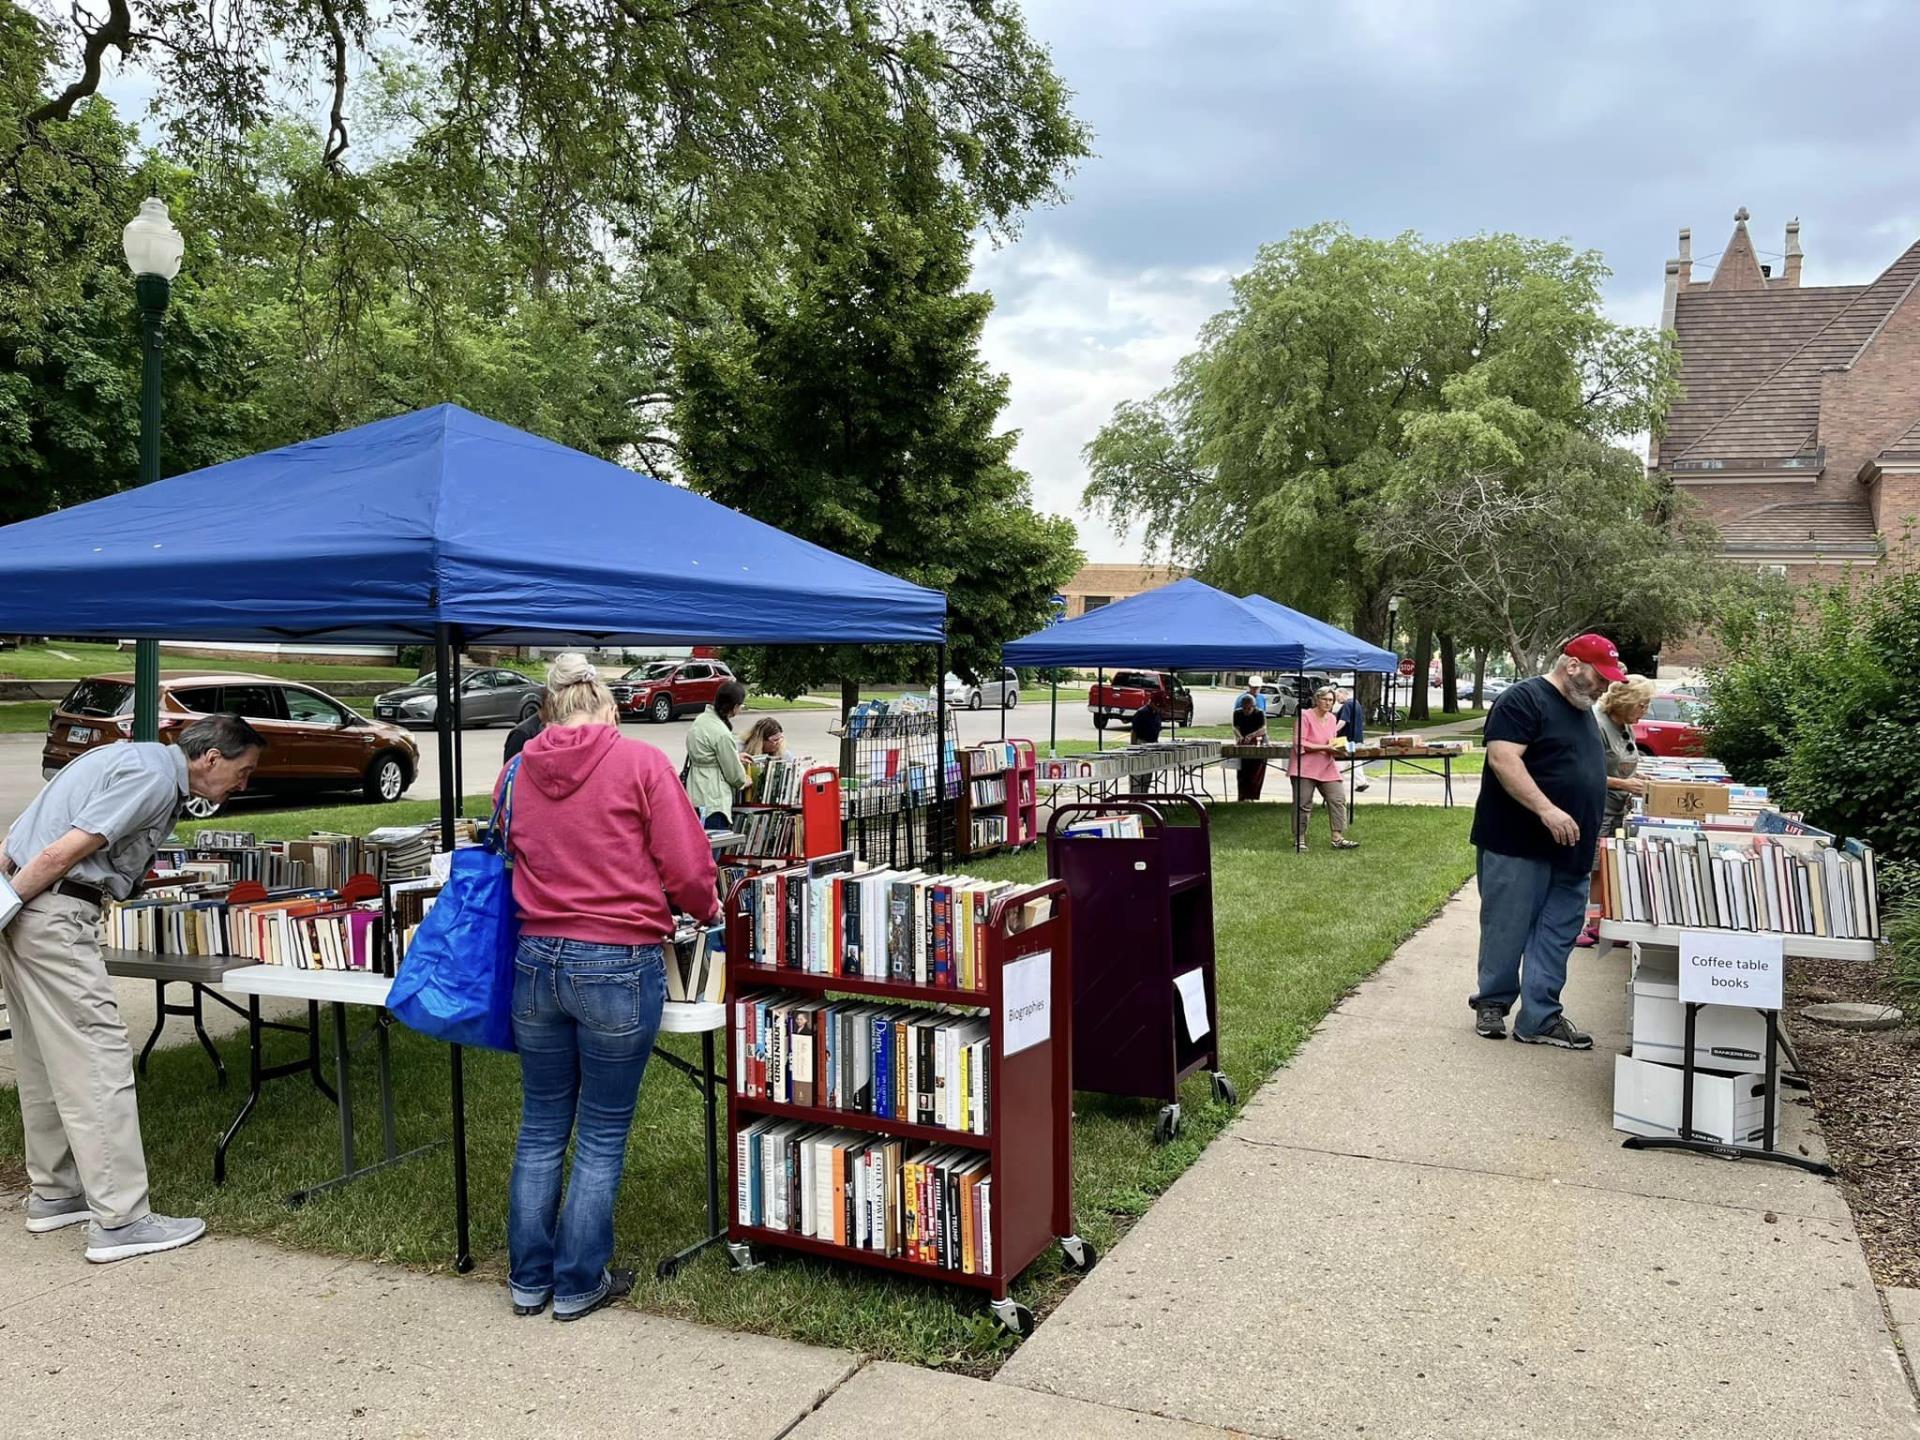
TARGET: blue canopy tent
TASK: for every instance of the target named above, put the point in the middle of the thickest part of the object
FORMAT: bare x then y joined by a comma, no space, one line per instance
447,527
1187,625
1325,647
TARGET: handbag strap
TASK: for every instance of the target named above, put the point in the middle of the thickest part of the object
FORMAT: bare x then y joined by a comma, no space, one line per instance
505,827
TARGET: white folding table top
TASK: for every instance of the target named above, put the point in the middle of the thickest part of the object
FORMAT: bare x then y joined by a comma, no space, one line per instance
342,987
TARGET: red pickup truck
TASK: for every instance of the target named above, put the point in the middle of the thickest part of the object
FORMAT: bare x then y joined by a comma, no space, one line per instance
1130,689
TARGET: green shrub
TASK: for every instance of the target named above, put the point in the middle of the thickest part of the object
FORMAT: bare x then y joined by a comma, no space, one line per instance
1821,703
1903,932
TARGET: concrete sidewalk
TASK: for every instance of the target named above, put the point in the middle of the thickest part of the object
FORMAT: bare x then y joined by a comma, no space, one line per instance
1414,1232
232,1340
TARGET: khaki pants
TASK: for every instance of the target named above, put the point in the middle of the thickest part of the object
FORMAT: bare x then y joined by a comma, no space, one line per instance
74,1061
1331,791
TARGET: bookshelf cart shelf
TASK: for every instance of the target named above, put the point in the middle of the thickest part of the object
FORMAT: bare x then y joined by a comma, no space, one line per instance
1143,905
1793,946
816,818
1028,1138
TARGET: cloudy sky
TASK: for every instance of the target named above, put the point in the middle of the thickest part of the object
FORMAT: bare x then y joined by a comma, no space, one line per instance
1221,124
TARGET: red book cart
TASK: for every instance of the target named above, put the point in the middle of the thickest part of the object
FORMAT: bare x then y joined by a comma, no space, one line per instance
1028,1140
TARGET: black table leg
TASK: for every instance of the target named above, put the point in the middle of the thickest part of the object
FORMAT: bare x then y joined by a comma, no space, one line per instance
254,1080
349,1171
159,1024
386,1086
313,1051
463,1249
342,1069
206,1041
709,1086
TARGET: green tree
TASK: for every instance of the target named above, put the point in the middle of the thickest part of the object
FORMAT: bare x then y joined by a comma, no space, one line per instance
848,404
1264,461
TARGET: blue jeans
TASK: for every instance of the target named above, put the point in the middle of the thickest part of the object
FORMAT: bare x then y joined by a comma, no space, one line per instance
1530,914
584,1018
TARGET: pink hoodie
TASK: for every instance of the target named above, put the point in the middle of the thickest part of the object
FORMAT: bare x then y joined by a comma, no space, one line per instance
605,844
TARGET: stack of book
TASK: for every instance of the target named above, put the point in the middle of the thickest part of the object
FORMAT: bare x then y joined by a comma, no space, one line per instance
775,779
768,832
696,963
303,929
1674,873
872,924
230,864
400,852
408,902
920,1066
923,1203
987,832
1133,760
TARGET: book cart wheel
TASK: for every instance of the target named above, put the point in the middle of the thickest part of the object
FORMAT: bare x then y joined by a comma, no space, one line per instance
1168,1125
742,1257
1080,1256
1015,1316
1224,1090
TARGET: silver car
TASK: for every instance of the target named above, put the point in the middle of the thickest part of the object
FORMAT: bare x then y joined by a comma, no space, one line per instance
487,697
1004,692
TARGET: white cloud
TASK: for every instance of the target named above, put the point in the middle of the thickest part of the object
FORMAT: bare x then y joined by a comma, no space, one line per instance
1076,338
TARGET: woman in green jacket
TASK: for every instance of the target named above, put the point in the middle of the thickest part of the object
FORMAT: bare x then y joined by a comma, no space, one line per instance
714,772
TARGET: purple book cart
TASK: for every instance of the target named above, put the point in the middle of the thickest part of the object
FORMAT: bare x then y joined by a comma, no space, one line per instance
1142,917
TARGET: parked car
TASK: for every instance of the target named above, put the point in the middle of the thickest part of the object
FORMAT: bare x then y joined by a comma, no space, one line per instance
487,697
1130,689
667,688
314,742
1004,692
1671,726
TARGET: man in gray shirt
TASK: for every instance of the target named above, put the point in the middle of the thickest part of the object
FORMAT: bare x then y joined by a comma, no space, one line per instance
92,833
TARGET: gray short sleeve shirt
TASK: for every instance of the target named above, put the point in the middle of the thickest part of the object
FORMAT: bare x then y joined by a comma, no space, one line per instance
130,794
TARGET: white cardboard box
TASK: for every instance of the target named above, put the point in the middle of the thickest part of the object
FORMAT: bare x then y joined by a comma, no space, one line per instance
1726,1108
1725,1037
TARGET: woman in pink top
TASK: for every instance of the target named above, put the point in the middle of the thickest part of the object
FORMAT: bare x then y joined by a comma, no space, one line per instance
605,847
1314,768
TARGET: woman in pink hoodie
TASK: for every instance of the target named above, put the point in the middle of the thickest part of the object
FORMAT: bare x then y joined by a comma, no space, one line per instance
605,848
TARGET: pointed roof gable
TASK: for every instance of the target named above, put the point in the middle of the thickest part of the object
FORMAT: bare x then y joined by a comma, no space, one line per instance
1779,415
1739,267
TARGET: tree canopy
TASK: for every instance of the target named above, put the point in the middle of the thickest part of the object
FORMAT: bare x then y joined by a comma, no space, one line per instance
1334,438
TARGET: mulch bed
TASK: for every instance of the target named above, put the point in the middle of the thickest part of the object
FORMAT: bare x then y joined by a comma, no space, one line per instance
1866,1093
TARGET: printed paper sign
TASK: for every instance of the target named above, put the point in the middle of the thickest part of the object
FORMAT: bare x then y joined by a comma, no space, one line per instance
440,866
1193,1002
1026,995
1730,967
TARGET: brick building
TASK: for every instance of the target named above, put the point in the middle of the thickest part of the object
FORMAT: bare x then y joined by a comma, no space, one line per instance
1097,585
1799,426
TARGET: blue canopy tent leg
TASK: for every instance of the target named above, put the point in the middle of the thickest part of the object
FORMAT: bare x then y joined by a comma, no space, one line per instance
939,846
444,650
1099,731
1053,720
1293,777
1003,697
459,731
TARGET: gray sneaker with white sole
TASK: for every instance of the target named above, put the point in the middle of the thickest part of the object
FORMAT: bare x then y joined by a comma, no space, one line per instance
146,1236
45,1215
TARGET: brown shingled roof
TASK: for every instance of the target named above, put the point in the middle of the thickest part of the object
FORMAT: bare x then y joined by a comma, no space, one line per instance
1731,341
1780,415
1824,527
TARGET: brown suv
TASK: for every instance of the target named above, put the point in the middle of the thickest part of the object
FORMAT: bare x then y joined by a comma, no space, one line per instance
313,741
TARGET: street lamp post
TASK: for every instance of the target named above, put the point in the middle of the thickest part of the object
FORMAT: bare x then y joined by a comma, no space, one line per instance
153,247
1393,677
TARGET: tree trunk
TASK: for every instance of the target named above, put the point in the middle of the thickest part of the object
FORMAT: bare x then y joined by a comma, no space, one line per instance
849,697
1449,676
1371,623
1479,677
1417,706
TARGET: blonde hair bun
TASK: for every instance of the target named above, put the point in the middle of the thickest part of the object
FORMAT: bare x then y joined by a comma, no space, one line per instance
575,691
570,668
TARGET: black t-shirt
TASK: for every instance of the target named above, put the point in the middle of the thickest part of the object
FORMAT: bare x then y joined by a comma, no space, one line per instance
1566,761
519,735
1146,725
1248,722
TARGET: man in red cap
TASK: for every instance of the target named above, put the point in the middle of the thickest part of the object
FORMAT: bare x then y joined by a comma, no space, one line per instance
1536,825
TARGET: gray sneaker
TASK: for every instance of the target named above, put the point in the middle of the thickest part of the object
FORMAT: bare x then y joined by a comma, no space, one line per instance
146,1236
45,1215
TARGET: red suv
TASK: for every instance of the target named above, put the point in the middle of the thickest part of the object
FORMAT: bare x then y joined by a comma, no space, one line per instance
1671,726
667,688
313,741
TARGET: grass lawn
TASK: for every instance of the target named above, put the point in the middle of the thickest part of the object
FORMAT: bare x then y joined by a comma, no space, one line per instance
346,819
1470,764
765,703
43,663
25,717
1291,941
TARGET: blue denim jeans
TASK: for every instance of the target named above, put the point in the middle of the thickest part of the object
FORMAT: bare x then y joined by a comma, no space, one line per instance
1530,914
584,1018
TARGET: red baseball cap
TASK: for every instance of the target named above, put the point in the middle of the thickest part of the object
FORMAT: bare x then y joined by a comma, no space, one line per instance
1597,651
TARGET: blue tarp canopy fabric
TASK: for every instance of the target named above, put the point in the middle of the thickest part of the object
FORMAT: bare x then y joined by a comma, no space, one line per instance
381,533
1187,625
1323,646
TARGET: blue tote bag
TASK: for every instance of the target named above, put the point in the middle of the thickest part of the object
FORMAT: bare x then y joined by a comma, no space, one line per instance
456,983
